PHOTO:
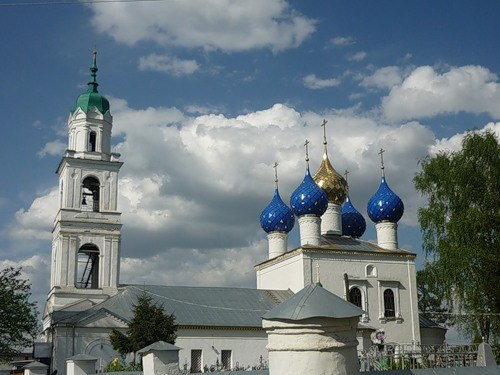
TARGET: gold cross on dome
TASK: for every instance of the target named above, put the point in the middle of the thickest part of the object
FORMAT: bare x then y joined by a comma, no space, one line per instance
324,130
345,174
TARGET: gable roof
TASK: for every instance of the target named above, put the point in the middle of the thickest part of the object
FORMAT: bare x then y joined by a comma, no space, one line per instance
428,323
194,306
339,244
313,301
35,365
159,346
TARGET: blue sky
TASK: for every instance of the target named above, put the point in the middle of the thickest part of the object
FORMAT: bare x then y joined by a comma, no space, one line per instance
206,96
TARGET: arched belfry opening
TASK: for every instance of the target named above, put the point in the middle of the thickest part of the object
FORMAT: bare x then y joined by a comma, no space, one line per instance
90,194
91,146
87,276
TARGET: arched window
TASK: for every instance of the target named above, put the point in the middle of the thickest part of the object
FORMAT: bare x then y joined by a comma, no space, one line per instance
87,276
92,142
371,271
355,297
389,306
90,194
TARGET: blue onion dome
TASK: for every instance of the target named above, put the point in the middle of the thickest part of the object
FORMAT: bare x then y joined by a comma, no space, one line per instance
333,184
92,98
308,198
385,205
353,223
277,216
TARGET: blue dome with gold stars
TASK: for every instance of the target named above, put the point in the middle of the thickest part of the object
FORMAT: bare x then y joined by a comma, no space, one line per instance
353,223
385,205
277,216
308,198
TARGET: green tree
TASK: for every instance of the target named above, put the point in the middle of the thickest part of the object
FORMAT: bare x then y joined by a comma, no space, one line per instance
18,316
149,324
430,304
460,230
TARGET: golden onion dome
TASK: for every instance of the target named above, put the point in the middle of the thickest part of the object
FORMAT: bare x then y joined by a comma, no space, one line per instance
332,183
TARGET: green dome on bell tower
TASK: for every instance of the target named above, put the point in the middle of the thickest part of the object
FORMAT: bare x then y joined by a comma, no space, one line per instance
92,98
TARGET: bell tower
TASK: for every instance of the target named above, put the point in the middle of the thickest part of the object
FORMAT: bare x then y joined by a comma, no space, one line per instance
86,236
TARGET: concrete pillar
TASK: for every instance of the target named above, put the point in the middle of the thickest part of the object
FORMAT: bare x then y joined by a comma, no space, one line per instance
81,364
485,355
278,242
310,230
35,368
160,358
331,221
312,332
387,235
324,346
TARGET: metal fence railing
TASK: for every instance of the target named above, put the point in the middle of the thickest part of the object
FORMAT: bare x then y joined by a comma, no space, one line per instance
410,356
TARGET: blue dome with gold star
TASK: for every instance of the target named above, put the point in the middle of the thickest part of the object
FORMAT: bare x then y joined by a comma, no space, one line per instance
353,223
308,198
385,205
277,216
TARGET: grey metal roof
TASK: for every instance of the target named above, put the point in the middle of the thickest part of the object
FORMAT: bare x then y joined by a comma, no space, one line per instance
36,365
159,346
313,301
195,306
61,315
339,244
427,323
343,243
82,357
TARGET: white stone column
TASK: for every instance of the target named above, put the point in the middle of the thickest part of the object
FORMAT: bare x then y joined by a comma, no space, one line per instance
81,364
387,235
324,346
331,221
160,358
278,242
310,230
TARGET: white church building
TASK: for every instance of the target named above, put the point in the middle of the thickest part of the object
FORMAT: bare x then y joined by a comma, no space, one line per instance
217,325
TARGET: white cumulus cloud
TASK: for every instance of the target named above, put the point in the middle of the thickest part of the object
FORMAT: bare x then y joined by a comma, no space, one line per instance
312,82
426,93
341,41
192,186
35,224
454,143
167,64
383,78
212,25
358,56
52,148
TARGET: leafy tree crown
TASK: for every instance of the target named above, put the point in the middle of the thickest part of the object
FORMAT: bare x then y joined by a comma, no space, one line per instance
149,324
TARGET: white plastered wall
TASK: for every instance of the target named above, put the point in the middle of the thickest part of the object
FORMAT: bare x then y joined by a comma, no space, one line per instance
388,270
392,271
283,275
247,346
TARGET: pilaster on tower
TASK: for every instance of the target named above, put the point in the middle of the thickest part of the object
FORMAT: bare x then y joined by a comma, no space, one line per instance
87,228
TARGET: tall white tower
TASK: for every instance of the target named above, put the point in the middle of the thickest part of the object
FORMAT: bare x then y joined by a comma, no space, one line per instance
86,234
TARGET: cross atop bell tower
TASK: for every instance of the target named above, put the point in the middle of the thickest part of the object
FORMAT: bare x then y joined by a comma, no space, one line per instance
87,229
